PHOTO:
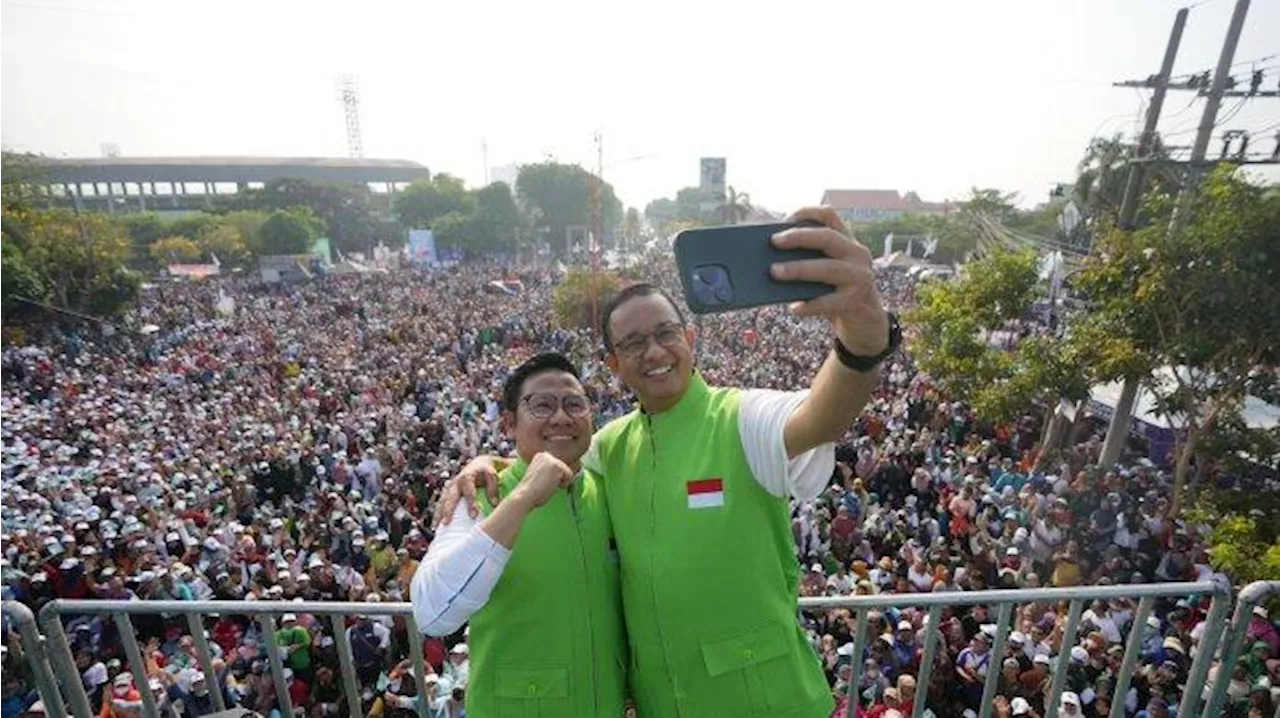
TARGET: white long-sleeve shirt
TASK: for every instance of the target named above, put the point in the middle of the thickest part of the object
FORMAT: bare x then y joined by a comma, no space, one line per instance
460,570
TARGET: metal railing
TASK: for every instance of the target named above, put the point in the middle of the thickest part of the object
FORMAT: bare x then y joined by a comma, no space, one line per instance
1006,600
48,651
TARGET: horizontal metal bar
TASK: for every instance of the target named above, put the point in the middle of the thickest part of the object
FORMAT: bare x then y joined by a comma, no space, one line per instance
946,598
1028,595
271,608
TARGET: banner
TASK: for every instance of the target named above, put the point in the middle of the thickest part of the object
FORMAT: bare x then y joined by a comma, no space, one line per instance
422,248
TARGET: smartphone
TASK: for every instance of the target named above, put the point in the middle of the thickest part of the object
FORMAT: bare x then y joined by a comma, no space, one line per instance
727,268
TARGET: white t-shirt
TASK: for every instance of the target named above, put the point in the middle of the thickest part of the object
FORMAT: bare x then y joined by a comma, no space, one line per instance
464,563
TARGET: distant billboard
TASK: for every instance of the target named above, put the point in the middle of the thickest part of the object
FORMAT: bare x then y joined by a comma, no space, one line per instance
422,248
713,174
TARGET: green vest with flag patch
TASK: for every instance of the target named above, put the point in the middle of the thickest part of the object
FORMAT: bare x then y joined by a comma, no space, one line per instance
550,641
709,572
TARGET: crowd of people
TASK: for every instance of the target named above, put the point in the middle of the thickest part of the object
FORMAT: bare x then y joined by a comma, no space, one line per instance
288,443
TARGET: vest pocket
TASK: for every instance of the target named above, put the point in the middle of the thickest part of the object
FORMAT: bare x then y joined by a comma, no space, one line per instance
532,692
745,673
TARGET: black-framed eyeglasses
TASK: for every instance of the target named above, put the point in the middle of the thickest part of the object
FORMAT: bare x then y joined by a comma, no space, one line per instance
544,406
666,335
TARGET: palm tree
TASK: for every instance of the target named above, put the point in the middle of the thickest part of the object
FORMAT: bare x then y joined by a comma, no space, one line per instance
736,208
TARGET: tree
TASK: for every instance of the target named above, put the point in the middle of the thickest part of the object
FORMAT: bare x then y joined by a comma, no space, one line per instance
736,207
80,258
455,230
991,202
248,223
289,231
562,193
1245,538
18,282
422,202
1199,308
174,250
577,297
144,229
225,242
497,218
961,327
346,211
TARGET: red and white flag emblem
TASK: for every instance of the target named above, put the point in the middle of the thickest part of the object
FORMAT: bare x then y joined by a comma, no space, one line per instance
706,493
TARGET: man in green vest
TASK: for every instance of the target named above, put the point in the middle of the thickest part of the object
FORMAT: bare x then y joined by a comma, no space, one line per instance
698,482
538,577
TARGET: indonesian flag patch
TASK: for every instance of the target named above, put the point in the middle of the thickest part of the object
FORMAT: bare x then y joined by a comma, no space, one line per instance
706,493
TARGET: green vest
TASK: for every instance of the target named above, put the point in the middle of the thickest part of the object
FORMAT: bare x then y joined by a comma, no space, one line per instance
550,641
709,570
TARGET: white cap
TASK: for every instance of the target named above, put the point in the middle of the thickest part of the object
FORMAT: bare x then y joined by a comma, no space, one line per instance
1079,654
816,567
289,617
1018,637
1020,706
904,625
1011,551
460,648
1069,698
1040,658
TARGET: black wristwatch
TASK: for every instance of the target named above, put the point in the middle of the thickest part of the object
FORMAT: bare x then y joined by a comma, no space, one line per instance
865,364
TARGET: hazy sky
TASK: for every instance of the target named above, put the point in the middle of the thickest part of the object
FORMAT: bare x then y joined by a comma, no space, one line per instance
799,96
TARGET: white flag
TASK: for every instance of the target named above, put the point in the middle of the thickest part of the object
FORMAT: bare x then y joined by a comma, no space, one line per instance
888,244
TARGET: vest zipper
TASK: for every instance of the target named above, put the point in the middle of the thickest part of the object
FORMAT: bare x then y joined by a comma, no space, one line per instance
586,580
653,532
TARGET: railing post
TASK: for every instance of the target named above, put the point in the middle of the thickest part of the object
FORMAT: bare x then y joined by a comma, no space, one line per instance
206,661
345,661
995,665
136,664
1064,658
1215,624
277,665
25,621
64,663
855,664
925,674
419,663
1250,596
1133,647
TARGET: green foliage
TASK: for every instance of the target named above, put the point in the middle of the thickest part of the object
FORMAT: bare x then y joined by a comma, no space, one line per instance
562,195
224,241
573,304
953,322
992,203
1205,299
454,230
956,236
18,279
174,250
144,229
21,180
289,231
425,201
1245,538
497,218
248,224
80,259
692,207
1104,172
345,211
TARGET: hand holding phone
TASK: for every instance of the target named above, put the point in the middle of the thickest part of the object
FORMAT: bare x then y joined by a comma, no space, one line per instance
810,263
727,268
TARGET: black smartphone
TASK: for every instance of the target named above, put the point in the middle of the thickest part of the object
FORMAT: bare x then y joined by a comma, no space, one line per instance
727,268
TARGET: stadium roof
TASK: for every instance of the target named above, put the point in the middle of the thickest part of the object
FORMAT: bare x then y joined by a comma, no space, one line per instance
229,169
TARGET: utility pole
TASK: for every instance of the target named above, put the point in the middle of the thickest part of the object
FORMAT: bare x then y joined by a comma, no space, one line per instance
595,240
1209,118
1118,430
